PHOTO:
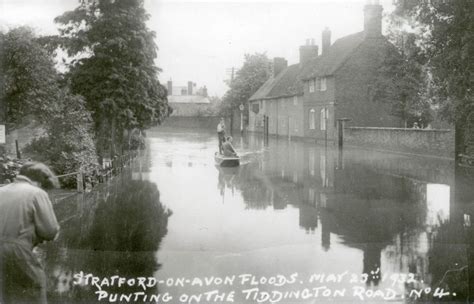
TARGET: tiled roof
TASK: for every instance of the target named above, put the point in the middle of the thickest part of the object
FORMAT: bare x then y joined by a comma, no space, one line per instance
290,81
287,83
335,57
188,99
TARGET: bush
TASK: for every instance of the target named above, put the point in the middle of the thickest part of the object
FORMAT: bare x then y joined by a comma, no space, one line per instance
137,141
68,145
9,168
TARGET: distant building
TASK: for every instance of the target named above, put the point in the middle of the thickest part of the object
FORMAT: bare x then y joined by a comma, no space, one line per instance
188,102
306,99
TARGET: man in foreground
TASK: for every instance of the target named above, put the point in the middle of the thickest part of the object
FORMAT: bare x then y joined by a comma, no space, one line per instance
26,220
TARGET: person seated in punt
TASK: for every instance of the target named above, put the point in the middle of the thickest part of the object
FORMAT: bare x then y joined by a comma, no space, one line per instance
228,148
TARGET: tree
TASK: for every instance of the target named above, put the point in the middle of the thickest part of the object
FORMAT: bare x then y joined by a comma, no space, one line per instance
68,145
29,78
114,67
253,74
402,80
447,39
34,89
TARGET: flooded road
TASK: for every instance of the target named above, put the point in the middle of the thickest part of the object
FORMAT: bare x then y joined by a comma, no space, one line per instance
296,222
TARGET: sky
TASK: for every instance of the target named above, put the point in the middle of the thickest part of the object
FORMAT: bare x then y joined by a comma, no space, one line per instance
201,41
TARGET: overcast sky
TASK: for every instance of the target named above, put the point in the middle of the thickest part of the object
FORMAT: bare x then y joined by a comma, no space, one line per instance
200,40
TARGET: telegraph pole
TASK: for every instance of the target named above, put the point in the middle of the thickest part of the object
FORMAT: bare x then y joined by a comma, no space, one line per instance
232,72
241,108
3,116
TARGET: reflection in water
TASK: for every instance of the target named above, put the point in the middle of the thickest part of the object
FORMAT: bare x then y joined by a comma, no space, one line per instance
437,200
119,237
311,209
291,207
129,226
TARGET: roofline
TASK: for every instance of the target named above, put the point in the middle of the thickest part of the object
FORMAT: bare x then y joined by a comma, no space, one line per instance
275,78
189,102
276,97
341,64
344,60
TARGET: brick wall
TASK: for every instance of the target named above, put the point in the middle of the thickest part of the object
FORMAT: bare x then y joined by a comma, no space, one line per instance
416,141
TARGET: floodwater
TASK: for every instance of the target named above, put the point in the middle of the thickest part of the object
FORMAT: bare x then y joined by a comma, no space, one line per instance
295,223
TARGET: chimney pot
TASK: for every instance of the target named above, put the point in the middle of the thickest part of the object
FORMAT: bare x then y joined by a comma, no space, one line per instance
308,52
326,40
373,20
279,64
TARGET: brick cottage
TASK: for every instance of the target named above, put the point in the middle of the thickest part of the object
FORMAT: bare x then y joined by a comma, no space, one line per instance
306,99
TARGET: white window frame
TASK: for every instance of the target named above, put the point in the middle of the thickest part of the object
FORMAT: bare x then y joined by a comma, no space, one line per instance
295,100
323,86
311,86
312,119
318,84
323,117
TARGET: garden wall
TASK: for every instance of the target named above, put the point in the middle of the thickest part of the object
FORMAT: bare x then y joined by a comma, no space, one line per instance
415,141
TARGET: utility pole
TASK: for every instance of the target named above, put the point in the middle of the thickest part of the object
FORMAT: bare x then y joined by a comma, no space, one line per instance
241,108
3,116
232,72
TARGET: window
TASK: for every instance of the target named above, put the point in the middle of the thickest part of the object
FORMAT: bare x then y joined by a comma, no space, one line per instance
295,100
311,86
322,170
467,220
255,108
311,162
312,119
311,196
323,84
324,117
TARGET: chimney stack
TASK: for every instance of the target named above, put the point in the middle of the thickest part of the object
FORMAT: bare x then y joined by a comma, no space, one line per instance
279,64
204,91
308,51
373,19
190,88
170,87
326,40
